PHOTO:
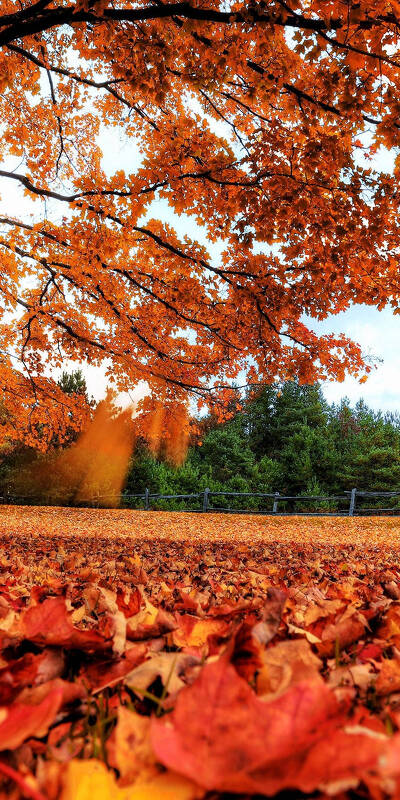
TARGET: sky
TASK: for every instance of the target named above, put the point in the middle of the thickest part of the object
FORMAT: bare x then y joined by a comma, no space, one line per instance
378,332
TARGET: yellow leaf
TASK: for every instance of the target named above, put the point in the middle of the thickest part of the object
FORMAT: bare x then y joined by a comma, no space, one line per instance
90,780
130,744
167,786
199,633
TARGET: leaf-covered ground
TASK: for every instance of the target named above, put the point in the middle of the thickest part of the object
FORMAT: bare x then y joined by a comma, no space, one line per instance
176,656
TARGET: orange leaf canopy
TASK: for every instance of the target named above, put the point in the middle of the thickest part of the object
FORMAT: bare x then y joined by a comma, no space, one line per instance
257,122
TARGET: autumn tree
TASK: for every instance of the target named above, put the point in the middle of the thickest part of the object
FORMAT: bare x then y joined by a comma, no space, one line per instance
25,471
258,122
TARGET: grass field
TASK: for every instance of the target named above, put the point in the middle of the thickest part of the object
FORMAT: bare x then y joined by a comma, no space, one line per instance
178,656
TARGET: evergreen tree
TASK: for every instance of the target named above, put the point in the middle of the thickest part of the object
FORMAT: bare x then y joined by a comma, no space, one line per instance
73,383
372,458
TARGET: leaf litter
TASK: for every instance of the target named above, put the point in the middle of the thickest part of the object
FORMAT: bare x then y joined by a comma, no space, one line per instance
180,656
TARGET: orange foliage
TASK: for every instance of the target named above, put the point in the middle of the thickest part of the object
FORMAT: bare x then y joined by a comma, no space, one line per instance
256,121
166,427
38,411
174,655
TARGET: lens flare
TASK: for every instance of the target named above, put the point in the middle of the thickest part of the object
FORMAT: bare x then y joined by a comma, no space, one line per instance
94,469
104,451
166,429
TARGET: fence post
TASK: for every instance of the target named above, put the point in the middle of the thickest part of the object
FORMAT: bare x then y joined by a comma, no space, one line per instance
146,499
205,499
352,502
275,506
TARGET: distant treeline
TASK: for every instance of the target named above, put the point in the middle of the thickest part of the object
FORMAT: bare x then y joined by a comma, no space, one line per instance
288,439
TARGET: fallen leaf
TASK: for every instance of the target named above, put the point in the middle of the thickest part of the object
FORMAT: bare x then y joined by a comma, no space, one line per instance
360,676
389,630
129,748
311,637
388,679
194,632
29,670
349,627
266,629
103,674
149,622
310,605
90,780
167,666
167,786
228,740
19,721
285,664
49,624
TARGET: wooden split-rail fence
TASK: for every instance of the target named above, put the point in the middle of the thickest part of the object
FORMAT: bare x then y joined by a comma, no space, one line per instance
350,503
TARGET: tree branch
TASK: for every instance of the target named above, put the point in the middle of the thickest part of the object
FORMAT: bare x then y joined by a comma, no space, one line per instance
28,21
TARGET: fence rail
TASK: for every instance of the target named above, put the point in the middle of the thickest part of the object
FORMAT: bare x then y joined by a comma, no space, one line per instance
350,500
